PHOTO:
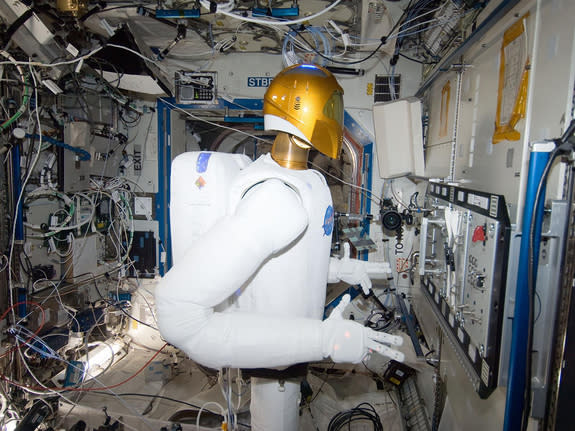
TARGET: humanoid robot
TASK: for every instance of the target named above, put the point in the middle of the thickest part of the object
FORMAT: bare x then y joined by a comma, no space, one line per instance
247,289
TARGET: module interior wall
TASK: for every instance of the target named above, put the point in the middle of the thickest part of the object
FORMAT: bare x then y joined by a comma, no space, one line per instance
501,168
441,105
235,69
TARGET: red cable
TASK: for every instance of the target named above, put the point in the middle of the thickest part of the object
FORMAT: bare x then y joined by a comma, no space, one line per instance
73,389
35,333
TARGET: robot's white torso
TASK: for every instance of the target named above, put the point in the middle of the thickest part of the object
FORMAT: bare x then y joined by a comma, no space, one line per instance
293,281
251,251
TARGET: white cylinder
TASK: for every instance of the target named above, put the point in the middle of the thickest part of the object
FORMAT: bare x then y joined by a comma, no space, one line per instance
274,405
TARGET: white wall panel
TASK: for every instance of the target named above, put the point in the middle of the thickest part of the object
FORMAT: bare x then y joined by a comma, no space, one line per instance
501,168
442,106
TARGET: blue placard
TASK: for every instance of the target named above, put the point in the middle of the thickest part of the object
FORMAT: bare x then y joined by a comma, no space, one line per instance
259,81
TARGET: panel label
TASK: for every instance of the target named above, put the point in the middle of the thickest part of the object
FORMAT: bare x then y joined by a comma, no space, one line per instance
259,81
485,372
478,201
472,352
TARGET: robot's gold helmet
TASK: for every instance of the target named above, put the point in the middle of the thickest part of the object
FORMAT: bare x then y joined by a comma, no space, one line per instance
306,101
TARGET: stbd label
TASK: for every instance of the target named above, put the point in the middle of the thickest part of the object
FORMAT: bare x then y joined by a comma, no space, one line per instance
259,81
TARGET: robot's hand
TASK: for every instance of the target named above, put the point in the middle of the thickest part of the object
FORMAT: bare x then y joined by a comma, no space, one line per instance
354,271
349,341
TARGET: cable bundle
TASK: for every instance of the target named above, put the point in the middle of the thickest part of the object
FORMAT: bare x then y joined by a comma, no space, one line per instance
357,414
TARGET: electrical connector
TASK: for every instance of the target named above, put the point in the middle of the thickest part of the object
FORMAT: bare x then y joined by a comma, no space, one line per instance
72,50
51,245
335,26
50,161
53,220
79,66
345,39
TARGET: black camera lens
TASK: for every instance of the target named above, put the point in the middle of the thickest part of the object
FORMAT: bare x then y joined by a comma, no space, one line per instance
391,220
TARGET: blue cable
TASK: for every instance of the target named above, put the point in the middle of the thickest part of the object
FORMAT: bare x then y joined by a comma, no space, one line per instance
82,154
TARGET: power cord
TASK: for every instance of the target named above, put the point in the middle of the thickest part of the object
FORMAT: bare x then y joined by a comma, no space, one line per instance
364,412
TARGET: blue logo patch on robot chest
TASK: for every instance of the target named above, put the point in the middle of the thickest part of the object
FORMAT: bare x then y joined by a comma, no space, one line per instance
328,221
202,162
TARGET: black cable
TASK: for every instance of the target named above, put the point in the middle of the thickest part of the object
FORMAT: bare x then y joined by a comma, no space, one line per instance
356,414
540,307
415,60
383,41
162,397
322,383
406,14
563,145
16,25
375,375
531,289
119,307
97,10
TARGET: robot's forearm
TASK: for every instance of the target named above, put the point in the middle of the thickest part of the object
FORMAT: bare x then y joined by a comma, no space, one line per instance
242,340
245,340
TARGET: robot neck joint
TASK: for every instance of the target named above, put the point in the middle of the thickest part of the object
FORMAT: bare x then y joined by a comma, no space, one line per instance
290,152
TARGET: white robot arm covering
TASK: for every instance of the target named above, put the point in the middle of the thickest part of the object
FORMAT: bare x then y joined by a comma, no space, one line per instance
219,264
268,219
354,271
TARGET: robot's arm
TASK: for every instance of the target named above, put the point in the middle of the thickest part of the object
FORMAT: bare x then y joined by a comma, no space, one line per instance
354,271
269,218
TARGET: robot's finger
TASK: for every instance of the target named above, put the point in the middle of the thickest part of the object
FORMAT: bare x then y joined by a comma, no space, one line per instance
337,312
386,351
345,250
382,337
365,284
378,270
344,302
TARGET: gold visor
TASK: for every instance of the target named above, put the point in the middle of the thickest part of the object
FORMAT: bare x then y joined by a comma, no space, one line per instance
310,99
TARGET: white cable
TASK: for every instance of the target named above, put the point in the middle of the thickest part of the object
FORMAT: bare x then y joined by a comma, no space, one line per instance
19,200
206,4
222,411
4,258
69,310
63,226
189,114
344,38
402,32
363,189
143,57
59,393
61,63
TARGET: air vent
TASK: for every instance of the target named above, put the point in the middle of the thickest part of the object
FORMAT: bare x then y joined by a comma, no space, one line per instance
384,84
